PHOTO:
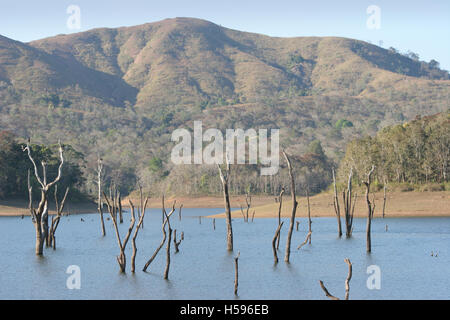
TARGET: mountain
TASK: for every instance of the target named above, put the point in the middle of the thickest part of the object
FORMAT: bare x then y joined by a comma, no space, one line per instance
122,91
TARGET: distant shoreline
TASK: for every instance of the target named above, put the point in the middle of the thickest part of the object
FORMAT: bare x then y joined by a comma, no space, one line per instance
399,204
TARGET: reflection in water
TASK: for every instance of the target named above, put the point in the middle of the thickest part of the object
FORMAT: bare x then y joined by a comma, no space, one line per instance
204,269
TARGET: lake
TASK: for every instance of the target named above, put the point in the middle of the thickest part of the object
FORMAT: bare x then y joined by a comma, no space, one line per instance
203,269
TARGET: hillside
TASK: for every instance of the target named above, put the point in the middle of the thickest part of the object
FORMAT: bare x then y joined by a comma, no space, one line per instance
121,92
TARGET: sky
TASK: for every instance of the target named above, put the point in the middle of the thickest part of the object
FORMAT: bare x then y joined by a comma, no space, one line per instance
419,26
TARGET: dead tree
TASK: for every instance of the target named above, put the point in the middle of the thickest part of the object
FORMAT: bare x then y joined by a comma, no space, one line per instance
294,209
121,258
99,185
175,242
164,234
348,207
308,236
236,273
347,283
337,209
224,178
141,211
179,212
279,215
119,203
248,202
242,212
274,247
166,271
40,215
55,220
349,277
309,216
371,209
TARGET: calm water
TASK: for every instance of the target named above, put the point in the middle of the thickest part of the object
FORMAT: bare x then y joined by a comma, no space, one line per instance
204,270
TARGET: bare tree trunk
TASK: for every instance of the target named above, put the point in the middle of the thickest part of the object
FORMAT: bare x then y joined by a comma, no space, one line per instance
236,274
120,209
349,277
279,215
308,236
179,212
99,184
348,208
224,179
248,201
40,216
242,212
327,293
139,225
39,240
337,209
175,242
55,221
294,209
277,236
166,220
370,210
309,215
347,283
121,259
166,271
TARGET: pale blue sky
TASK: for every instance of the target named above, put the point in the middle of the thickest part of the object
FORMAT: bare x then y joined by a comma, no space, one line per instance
420,26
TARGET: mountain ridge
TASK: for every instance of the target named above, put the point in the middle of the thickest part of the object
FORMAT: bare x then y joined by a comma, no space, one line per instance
121,91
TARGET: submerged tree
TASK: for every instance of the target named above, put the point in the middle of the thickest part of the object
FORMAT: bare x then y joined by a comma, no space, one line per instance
40,215
309,235
337,208
166,221
224,178
112,204
294,209
347,283
349,207
55,220
99,191
278,233
371,209
141,215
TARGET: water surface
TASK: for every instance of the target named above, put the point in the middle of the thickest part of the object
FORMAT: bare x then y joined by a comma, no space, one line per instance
203,269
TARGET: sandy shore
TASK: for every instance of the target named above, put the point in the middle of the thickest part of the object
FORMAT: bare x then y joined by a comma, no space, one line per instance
20,207
16,207
398,204
204,202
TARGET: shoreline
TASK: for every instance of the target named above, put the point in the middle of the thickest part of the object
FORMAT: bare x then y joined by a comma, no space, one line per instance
398,204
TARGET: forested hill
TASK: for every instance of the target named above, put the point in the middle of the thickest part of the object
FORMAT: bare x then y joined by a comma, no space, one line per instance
121,92
414,154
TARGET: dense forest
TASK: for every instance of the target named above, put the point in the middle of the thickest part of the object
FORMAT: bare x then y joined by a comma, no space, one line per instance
414,153
14,167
